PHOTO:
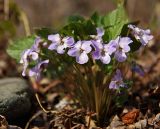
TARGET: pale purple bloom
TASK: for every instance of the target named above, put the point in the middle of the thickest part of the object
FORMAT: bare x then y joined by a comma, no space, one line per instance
144,36
36,71
117,80
100,32
120,46
101,52
60,44
30,54
36,45
80,51
24,61
138,69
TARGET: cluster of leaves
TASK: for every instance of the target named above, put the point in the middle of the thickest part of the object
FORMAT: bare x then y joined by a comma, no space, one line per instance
114,23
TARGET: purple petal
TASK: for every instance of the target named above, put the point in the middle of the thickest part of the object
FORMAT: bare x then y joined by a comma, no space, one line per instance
54,38
136,68
105,58
35,46
42,63
148,31
120,56
124,43
78,45
72,52
61,49
106,48
24,56
112,46
34,55
82,58
86,46
25,65
53,46
24,61
118,75
97,44
35,71
143,35
117,80
96,54
100,32
113,85
68,40
145,39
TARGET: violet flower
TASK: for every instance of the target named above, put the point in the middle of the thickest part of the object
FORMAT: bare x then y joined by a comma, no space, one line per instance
100,32
138,69
117,80
98,37
120,46
30,54
80,51
144,36
60,44
101,52
36,71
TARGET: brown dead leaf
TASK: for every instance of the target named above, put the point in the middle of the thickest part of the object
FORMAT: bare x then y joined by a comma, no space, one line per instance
156,120
130,117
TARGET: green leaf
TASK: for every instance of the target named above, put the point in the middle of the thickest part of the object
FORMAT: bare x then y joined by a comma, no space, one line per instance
16,47
122,98
114,23
75,18
115,17
44,32
74,29
89,28
96,19
114,31
79,30
135,45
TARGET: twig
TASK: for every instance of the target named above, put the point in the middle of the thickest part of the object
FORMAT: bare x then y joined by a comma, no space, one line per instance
6,9
38,100
32,118
46,111
89,121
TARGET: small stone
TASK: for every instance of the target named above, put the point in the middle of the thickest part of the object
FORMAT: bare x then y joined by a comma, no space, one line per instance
143,123
131,127
15,98
116,122
63,103
138,125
